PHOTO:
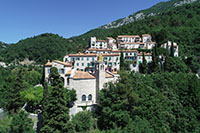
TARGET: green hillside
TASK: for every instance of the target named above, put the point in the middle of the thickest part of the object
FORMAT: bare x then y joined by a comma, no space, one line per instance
180,24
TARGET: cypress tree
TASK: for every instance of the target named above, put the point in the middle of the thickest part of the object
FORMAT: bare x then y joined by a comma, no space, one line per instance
56,109
172,50
144,64
122,61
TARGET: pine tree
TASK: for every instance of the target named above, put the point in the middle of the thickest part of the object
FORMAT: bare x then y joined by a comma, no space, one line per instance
21,123
15,102
56,109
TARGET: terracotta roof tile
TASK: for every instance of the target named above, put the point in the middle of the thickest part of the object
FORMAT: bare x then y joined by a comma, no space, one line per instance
131,43
69,72
94,49
82,55
48,64
108,75
67,64
116,54
110,38
83,75
101,40
146,35
146,54
120,36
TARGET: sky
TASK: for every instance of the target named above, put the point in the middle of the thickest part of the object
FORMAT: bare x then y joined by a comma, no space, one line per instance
20,19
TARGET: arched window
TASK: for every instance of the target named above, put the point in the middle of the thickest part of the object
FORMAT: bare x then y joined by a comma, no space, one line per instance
90,97
83,97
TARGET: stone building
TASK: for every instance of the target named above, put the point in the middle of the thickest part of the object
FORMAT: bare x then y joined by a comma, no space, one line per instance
86,84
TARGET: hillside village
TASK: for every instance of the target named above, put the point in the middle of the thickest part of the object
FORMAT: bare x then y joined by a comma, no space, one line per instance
88,72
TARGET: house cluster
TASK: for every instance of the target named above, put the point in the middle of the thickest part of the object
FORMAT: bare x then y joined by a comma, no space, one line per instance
88,72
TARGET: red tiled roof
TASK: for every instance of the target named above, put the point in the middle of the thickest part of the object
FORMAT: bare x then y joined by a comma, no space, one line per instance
110,38
93,49
101,40
82,55
63,63
146,35
131,43
48,64
83,75
120,36
108,75
146,54
116,54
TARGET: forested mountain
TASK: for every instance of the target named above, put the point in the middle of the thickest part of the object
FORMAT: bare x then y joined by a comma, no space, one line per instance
179,24
39,48
155,10
2,46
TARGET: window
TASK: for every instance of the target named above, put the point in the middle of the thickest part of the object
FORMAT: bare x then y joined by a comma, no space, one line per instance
48,71
139,57
109,58
149,57
135,54
130,53
77,64
77,58
67,81
87,58
62,71
140,62
82,58
82,64
89,97
93,65
126,54
88,64
92,58
83,98
117,59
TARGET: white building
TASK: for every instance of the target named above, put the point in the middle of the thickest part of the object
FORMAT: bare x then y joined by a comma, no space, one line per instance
168,46
98,44
86,61
135,42
88,72
86,84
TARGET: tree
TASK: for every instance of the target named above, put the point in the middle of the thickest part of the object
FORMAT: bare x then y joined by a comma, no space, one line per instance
122,61
21,123
143,66
12,91
56,108
174,64
155,59
83,121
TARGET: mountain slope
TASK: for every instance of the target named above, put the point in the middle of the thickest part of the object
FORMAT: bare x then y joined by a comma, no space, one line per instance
39,48
155,10
179,24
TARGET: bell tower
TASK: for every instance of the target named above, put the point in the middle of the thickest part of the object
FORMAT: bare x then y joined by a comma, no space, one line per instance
99,74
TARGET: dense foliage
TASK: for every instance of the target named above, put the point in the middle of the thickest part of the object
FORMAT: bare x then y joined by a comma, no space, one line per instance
55,116
167,102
